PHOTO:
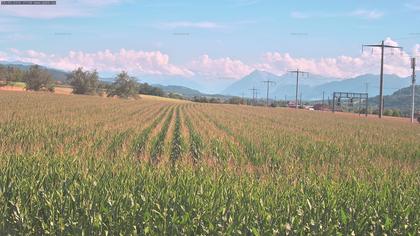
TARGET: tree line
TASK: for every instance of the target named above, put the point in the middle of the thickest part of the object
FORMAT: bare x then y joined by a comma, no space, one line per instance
82,81
35,78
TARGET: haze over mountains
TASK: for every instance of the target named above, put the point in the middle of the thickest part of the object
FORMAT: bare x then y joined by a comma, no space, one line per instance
311,86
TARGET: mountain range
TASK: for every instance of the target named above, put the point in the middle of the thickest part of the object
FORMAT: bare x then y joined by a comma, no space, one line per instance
313,86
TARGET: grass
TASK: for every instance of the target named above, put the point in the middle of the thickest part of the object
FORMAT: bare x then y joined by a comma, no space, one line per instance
17,84
69,165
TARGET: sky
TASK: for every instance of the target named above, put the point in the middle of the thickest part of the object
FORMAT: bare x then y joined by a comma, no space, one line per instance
220,40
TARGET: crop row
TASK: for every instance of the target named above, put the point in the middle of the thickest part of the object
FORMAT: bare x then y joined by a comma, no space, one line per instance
140,141
177,141
158,142
196,143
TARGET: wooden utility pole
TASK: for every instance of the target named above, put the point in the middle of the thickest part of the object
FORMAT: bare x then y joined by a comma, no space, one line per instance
413,92
381,86
254,91
298,72
268,82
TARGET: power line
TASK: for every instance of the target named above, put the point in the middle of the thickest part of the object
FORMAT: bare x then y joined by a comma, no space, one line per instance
268,82
298,72
381,95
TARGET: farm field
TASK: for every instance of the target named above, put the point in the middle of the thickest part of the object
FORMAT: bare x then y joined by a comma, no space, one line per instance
82,165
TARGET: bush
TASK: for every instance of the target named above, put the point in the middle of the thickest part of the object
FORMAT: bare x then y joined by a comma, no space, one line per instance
396,113
388,112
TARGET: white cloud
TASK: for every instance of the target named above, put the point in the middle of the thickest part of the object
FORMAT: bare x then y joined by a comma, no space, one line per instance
190,24
221,67
64,8
158,63
3,56
343,66
368,14
360,13
135,62
299,15
416,50
242,3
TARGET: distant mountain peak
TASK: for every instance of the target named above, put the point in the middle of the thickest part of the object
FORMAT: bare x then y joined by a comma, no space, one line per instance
261,73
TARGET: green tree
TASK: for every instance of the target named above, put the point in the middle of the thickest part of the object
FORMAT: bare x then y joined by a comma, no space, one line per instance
387,112
84,82
124,86
2,73
37,79
396,113
150,90
11,74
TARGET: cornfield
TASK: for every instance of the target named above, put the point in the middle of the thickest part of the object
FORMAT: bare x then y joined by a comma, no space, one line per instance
80,165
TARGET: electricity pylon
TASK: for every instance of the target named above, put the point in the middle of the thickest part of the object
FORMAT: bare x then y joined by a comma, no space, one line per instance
381,86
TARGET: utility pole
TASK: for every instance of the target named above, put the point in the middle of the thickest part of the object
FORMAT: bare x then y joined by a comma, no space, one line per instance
298,72
300,98
381,86
323,96
413,92
268,82
367,87
254,90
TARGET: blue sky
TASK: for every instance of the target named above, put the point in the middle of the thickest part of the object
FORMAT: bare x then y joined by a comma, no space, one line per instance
211,39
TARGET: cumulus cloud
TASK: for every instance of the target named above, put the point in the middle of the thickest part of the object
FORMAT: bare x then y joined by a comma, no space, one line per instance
157,63
416,50
396,62
221,67
135,62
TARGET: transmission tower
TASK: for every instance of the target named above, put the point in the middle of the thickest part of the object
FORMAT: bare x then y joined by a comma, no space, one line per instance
381,86
298,72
